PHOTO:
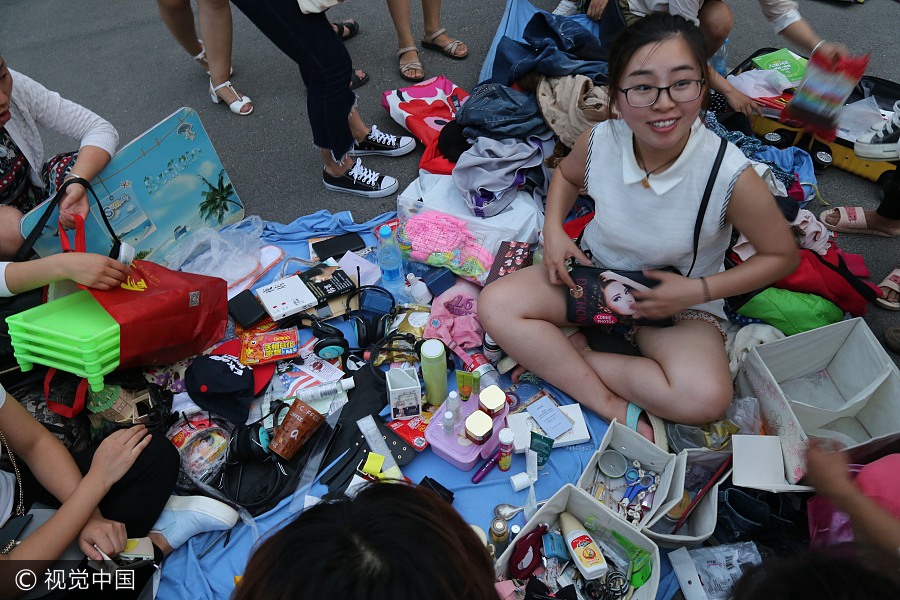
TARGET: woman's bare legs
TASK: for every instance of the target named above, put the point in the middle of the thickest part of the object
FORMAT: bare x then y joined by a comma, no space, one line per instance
523,312
179,18
400,15
683,375
214,17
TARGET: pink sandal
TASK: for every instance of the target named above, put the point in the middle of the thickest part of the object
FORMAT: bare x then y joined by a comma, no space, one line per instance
891,282
852,220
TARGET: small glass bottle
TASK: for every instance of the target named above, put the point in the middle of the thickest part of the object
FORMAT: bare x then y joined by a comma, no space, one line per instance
499,535
491,349
507,437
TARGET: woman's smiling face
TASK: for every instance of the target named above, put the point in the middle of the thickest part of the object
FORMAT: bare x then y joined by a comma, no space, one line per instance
665,123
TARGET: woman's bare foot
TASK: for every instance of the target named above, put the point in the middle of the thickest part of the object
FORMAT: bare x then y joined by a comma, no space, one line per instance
874,221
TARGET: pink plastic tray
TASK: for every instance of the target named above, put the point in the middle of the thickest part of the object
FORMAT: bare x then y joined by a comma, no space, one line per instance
456,449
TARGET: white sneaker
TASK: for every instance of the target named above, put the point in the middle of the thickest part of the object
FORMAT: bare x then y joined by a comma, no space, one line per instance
882,143
186,516
565,8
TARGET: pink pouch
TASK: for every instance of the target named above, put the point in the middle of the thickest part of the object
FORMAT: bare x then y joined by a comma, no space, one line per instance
454,316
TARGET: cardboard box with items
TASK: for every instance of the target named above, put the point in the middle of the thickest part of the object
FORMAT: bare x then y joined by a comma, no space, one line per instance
632,477
631,559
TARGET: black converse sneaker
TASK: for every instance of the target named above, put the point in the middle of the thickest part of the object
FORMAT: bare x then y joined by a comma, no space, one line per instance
361,181
884,143
384,144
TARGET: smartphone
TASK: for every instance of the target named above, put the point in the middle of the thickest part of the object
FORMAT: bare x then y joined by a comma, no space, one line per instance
338,245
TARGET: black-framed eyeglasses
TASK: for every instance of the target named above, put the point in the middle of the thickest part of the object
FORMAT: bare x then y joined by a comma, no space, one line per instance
642,96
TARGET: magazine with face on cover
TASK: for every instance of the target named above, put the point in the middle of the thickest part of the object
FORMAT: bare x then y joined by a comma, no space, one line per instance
607,297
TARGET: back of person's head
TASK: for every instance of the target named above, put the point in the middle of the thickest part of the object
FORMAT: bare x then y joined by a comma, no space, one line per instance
651,30
390,541
822,576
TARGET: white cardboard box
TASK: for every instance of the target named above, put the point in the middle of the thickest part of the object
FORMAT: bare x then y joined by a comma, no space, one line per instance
581,505
701,523
835,382
634,446
522,424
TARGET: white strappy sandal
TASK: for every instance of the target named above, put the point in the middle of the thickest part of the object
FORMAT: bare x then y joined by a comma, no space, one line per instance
235,106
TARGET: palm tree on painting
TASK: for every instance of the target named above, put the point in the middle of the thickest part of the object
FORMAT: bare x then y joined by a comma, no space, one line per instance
216,199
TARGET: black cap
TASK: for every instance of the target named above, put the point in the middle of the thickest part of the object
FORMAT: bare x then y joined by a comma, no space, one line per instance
222,385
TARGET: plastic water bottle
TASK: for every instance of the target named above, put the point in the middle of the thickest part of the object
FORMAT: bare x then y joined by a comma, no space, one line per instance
719,60
390,260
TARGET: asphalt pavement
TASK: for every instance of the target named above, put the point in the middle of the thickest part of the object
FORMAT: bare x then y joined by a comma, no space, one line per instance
118,59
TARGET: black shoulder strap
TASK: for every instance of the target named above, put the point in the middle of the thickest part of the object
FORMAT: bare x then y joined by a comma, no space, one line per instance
24,251
844,271
698,225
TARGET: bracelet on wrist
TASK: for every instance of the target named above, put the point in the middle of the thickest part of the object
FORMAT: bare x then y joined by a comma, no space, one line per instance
707,297
816,47
73,175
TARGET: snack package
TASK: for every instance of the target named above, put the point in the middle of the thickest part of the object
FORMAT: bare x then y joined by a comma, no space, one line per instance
269,346
820,97
411,318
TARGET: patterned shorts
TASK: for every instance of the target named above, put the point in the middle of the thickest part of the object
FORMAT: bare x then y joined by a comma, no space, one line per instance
690,314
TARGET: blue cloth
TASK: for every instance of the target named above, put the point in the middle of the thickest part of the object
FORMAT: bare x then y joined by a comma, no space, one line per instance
554,46
496,111
512,25
292,237
793,160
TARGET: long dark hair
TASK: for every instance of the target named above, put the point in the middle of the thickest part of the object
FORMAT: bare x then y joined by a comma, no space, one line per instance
391,540
653,29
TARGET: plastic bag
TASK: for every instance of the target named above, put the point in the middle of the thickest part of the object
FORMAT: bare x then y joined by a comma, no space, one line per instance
233,254
437,229
742,417
821,95
720,567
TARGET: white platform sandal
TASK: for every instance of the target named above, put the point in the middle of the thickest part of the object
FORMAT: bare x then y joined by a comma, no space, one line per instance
235,106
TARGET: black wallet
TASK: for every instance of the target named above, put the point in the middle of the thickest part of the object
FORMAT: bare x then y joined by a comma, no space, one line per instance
605,298
338,245
246,310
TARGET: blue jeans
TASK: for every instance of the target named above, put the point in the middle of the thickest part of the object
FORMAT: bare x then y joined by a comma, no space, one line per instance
554,46
324,64
500,112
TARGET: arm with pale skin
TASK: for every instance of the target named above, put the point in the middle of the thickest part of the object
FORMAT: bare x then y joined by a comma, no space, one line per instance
54,468
752,210
804,36
91,160
92,270
827,472
565,184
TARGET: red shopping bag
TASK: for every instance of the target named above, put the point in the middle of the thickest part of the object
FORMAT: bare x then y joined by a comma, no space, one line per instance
165,315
